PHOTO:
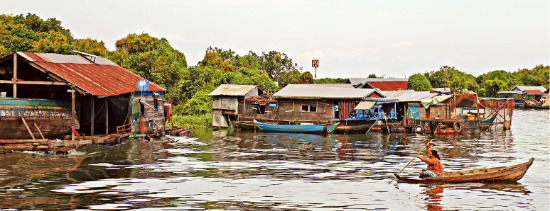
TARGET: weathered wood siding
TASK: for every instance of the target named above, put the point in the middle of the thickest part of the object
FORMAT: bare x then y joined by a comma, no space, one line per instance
291,110
225,103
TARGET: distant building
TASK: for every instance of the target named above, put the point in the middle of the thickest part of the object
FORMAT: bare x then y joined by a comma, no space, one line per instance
383,84
531,92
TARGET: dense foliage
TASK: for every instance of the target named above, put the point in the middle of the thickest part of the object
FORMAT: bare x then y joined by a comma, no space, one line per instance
419,82
188,86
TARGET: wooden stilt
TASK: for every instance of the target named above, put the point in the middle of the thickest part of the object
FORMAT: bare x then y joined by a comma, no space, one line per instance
39,131
92,117
14,75
28,129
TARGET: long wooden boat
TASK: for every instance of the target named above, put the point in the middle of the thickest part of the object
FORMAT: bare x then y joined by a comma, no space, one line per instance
495,174
301,128
18,116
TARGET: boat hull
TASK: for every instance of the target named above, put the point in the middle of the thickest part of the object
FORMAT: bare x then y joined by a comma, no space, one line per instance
496,174
313,128
53,118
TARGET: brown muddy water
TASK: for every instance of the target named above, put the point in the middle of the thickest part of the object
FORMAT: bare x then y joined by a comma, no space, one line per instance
240,170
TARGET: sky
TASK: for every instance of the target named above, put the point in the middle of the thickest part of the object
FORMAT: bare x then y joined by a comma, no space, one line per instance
351,39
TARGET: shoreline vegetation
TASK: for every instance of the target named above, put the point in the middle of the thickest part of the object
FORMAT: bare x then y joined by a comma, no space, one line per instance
188,85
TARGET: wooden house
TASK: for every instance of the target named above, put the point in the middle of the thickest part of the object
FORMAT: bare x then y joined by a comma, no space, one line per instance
233,103
103,96
318,103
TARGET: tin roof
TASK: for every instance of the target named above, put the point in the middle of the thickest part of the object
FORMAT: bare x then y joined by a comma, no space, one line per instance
232,90
385,84
524,88
311,91
534,92
333,85
510,92
101,77
409,95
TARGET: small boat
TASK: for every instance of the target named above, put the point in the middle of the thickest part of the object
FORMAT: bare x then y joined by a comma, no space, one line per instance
301,128
485,124
495,174
18,116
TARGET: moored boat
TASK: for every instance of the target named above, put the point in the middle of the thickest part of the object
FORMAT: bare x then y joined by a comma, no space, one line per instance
495,174
18,116
301,128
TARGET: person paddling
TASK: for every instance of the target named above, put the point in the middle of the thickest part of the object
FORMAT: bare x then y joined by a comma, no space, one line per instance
434,165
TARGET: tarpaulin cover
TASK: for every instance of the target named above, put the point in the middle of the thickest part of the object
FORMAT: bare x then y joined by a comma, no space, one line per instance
434,100
364,105
345,108
412,112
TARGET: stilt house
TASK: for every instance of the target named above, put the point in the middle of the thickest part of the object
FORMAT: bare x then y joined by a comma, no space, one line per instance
104,96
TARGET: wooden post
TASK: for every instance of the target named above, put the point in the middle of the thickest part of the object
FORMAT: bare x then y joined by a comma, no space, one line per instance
106,117
39,131
28,128
72,91
14,75
92,117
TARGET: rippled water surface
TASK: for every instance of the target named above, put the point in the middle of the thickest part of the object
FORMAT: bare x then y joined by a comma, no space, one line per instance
247,170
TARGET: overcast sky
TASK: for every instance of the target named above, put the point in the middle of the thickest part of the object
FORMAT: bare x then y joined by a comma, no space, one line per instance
350,38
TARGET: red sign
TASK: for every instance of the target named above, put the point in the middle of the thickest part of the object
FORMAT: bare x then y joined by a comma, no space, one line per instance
315,63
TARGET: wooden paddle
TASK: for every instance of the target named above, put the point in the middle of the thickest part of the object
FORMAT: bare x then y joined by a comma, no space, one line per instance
414,158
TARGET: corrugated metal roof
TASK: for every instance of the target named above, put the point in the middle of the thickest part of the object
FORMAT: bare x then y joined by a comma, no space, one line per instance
388,85
409,95
333,85
510,92
534,92
524,88
309,91
232,90
384,84
103,78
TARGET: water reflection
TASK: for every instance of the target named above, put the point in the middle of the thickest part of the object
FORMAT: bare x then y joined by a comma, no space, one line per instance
227,169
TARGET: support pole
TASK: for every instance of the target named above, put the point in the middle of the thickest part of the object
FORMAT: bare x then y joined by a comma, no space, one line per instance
28,128
37,128
92,117
73,116
106,117
14,75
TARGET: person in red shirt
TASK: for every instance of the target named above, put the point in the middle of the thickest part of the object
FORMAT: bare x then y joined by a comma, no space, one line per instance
435,168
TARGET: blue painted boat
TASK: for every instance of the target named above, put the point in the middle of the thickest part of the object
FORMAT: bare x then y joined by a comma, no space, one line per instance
302,128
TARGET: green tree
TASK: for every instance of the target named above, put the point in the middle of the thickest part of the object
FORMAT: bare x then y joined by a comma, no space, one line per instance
419,82
275,63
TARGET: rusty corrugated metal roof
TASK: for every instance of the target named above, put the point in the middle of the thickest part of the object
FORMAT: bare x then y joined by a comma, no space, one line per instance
533,92
232,90
311,91
384,84
102,78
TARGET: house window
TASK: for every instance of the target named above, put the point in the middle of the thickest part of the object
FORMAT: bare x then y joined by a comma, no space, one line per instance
309,108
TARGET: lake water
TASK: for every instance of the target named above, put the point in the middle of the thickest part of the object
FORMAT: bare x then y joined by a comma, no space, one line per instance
245,170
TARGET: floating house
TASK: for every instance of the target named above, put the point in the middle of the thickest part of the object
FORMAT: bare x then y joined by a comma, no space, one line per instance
525,96
383,84
321,104
239,104
96,95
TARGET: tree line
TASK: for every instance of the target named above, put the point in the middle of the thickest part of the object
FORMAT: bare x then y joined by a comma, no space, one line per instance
188,85
485,85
